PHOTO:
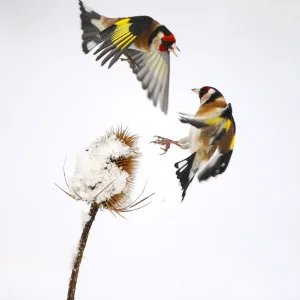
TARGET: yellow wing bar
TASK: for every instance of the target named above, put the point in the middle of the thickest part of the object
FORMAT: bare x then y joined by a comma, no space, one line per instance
122,37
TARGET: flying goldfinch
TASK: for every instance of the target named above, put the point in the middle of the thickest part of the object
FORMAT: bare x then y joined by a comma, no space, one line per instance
211,139
145,42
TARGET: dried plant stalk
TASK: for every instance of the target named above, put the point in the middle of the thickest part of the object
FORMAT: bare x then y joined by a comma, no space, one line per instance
82,243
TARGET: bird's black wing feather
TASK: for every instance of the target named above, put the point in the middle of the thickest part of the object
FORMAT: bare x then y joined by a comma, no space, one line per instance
115,39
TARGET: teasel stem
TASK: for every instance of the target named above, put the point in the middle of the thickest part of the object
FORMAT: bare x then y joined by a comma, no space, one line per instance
82,243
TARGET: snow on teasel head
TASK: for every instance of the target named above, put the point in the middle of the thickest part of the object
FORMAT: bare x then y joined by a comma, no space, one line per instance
104,172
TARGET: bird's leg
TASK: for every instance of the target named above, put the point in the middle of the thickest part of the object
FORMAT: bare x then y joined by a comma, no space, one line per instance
130,60
167,143
184,143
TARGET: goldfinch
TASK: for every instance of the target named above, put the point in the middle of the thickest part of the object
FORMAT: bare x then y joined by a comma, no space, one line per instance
145,42
211,139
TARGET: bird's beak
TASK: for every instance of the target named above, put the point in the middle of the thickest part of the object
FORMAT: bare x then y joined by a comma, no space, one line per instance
196,91
173,48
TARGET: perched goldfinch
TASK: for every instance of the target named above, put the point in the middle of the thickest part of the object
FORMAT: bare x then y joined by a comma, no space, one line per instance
211,138
145,42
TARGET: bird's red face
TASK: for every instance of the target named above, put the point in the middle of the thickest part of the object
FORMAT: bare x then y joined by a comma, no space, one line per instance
162,40
168,44
204,90
207,94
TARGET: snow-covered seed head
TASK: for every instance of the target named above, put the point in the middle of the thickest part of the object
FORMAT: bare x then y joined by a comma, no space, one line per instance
127,163
105,170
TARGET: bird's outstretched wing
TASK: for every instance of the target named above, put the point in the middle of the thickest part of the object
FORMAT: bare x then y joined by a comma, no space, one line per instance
113,40
207,120
153,70
222,119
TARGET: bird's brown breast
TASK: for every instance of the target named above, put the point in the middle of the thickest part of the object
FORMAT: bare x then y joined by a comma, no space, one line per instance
212,107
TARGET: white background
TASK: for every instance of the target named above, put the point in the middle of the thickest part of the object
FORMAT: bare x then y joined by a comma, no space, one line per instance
234,237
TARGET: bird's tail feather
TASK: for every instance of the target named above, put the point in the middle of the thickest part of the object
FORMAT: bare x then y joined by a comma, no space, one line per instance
187,169
90,31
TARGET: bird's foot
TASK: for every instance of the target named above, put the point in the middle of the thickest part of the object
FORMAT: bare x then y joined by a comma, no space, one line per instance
130,61
159,140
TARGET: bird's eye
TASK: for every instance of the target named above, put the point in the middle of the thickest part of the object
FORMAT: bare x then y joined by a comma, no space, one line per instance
203,91
165,43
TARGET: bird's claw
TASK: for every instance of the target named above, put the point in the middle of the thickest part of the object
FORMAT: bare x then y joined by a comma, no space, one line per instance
164,142
164,149
131,62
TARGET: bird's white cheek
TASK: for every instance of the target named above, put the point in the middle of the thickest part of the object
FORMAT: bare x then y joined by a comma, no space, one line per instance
205,98
154,47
